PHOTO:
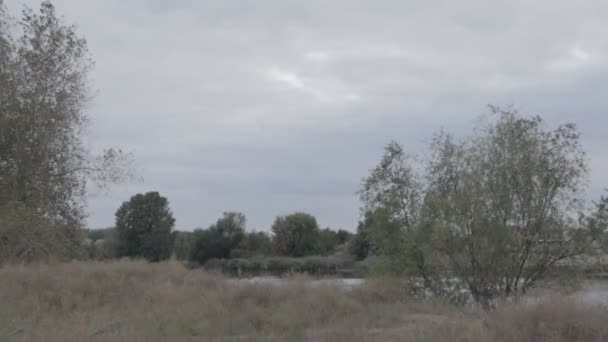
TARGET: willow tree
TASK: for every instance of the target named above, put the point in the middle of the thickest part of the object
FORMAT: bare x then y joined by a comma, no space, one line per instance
45,165
495,212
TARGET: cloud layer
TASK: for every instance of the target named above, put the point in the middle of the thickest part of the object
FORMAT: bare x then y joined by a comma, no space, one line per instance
271,107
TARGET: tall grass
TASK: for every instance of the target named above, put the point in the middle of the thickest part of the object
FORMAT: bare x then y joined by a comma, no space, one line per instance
137,301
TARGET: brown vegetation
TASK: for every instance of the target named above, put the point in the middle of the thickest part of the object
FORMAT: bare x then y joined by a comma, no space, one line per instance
136,301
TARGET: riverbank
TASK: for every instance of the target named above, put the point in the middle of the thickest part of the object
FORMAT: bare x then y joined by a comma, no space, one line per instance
136,301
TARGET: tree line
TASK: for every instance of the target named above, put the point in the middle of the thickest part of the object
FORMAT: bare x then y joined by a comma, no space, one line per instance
145,229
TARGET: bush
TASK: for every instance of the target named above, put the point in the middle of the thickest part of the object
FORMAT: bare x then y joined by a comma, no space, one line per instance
26,236
253,244
144,226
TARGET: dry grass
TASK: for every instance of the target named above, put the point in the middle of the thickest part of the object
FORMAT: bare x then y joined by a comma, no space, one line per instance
136,301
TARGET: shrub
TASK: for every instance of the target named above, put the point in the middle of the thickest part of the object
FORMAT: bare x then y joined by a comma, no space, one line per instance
26,236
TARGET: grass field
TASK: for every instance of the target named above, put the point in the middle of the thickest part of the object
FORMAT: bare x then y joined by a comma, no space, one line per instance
136,301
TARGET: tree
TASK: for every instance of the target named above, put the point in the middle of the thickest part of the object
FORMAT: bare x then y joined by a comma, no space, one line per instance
380,235
253,244
44,89
296,235
496,210
329,240
144,226
360,244
344,236
219,240
392,197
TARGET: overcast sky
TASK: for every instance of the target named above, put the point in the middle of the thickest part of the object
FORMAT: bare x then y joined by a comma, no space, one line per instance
270,107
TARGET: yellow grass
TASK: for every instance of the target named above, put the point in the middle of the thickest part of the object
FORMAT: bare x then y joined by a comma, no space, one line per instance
136,301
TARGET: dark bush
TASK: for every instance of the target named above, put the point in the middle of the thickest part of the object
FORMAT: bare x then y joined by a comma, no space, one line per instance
218,241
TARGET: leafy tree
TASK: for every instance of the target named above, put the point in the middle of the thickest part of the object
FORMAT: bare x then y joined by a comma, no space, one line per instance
218,241
296,235
144,226
494,213
328,240
44,89
359,246
232,227
253,244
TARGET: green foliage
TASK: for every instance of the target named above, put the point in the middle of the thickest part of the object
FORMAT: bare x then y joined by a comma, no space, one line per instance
296,235
495,211
219,240
144,226
253,244
360,244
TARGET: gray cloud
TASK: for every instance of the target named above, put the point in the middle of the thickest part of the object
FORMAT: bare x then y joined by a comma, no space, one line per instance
271,107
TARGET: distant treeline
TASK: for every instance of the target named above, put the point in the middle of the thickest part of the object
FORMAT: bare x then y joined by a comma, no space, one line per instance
144,229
